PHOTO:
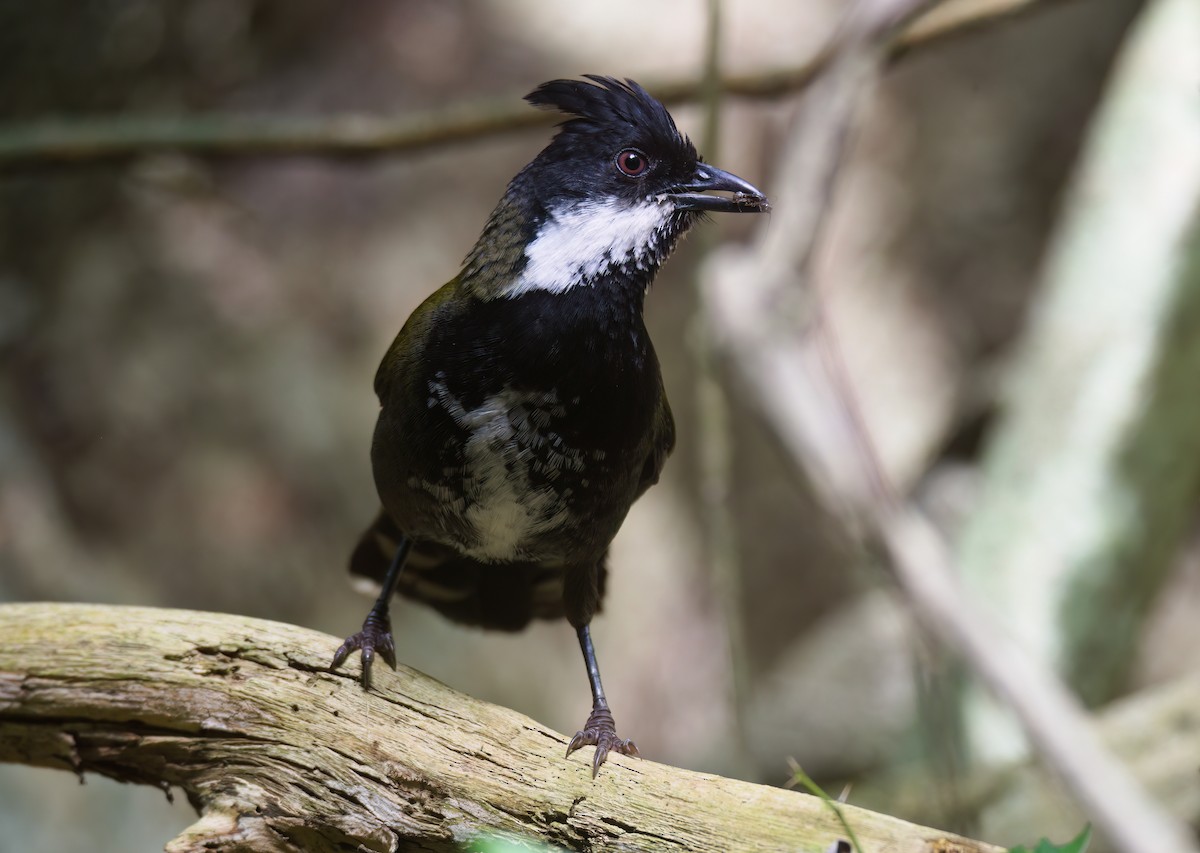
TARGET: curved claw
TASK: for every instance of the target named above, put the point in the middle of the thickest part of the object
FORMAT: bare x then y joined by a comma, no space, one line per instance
368,658
600,731
388,651
375,637
343,652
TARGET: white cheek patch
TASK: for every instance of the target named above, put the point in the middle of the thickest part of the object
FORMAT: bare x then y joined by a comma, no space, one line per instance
579,243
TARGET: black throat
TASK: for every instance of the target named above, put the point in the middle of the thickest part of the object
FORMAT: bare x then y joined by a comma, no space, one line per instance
588,342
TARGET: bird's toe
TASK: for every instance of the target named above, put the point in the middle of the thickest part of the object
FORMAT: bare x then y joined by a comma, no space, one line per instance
601,731
374,638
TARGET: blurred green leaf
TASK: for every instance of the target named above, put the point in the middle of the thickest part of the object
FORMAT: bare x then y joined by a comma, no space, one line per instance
1078,844
496,844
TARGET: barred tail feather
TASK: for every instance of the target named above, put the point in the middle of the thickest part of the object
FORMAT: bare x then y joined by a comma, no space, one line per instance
504,597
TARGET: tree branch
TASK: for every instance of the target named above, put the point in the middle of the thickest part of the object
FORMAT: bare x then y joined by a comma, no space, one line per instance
1155,731
77,141
791,365
276,752
1096,457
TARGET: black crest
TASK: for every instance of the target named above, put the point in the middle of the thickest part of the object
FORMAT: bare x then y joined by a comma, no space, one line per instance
606,103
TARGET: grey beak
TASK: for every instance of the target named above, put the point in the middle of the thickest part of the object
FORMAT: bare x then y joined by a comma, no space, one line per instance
746,198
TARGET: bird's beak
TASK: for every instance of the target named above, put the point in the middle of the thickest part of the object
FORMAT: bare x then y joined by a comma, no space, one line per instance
745,199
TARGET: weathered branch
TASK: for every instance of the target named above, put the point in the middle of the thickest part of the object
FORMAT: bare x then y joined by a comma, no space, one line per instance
278,753
67,141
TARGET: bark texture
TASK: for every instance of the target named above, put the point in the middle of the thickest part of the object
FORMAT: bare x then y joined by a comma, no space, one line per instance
277,753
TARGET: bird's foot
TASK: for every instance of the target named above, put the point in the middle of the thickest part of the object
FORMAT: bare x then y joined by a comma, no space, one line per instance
375,637
601,731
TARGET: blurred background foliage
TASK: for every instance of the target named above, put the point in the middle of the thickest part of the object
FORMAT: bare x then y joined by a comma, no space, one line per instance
187,348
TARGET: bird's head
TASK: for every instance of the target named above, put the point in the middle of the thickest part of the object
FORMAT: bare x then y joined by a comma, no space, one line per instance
611,194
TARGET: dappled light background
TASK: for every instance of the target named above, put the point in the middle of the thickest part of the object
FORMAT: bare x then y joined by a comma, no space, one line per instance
187,348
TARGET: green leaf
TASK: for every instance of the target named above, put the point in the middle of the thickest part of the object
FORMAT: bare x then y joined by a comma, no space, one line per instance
1078,844
799,777
498,844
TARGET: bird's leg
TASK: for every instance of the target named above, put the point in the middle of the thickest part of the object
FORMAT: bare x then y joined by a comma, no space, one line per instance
376,633
599,729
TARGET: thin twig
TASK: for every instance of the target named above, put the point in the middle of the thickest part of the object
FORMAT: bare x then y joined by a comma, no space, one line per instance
1053,718
77,140
715,446
766,351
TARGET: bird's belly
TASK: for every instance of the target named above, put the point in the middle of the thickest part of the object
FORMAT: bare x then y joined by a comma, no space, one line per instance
517,485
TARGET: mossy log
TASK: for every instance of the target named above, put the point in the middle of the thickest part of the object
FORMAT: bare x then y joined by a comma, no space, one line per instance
278,753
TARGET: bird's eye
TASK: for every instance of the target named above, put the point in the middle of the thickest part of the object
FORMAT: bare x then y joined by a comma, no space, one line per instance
633,163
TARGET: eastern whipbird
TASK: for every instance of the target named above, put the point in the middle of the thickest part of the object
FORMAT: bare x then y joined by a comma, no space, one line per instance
522,406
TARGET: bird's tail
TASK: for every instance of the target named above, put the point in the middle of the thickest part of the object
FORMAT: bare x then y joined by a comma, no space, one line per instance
500,596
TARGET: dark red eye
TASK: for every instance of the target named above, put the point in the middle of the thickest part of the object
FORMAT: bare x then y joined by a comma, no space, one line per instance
632,162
